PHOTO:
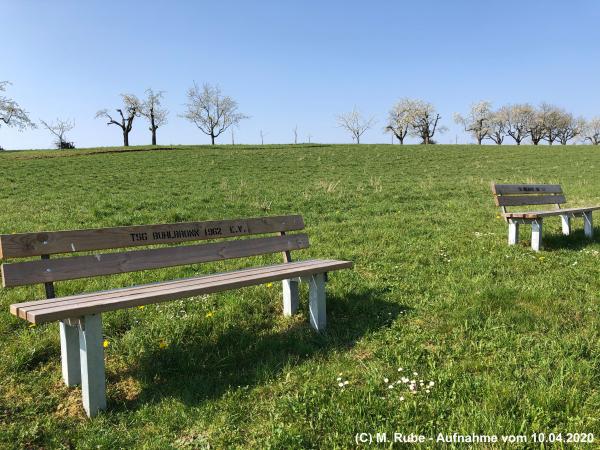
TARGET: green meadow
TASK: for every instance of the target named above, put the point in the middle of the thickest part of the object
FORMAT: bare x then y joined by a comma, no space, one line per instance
506,341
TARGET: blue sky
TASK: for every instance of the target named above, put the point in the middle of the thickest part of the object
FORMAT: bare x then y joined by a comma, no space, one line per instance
292,63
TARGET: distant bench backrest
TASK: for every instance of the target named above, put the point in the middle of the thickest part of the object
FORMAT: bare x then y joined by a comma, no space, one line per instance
49,270
527,194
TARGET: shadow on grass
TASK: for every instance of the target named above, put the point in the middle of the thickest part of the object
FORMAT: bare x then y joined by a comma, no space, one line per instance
205,367
575,241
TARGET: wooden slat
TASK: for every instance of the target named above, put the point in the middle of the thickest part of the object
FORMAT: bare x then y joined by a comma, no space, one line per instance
43,271
524,189
556,212
57,309
150,287
521,200
47,243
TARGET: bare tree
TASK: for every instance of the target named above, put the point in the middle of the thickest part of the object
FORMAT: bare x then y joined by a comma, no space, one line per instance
211,111
498,126
11,114
262,137
355,123
478,121
519,118
130,110
400,119
152,110
309,136
591,131
295,130
425,121
59,129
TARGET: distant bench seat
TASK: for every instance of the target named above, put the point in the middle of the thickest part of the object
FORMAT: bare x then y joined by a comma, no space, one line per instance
538,194
82,353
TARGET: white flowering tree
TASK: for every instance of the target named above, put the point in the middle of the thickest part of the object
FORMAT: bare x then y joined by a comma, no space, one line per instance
569,127
425,122
153,111
519,119
400,119
130,110
211,111
59,129
478,121
355,123
591,132
11,113
498,125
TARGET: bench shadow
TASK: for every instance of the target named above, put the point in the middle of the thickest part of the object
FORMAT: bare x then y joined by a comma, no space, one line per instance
575,241
241,357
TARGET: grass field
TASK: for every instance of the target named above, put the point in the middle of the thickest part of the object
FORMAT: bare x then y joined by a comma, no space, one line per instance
509,338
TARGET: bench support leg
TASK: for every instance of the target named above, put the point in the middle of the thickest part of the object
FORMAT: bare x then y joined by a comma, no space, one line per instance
69,354
513,233
92,364
290,297
588,224
536,235
566,224
316,301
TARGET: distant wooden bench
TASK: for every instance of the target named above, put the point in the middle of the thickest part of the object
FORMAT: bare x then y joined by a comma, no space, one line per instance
538,194
82,353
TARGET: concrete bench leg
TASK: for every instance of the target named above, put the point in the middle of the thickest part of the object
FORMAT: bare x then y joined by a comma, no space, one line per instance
316,301
536,235
513,233
91,353
69,354
290,297
566,224
588,224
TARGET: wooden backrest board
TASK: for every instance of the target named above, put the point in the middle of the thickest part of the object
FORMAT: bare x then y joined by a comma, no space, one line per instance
527,194
49,270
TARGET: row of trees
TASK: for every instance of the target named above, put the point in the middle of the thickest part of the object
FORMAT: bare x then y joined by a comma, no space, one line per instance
523,121
416,118
207,108
213,113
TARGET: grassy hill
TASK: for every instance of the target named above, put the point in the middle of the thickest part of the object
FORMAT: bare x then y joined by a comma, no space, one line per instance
509,338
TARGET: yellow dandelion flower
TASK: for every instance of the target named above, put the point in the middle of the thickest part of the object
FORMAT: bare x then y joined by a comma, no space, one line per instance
162,344
209,314
269,284
141,307
105,344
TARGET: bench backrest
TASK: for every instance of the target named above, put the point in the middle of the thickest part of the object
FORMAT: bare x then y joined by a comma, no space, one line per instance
527,194
48,270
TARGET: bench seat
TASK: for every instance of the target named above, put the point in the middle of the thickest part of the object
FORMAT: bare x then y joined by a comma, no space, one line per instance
98,302
553,212
79,316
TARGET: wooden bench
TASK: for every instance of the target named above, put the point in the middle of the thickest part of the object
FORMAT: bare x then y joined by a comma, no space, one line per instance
538,194
82,353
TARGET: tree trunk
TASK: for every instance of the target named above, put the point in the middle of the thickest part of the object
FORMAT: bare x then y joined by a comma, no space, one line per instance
125,138
479,139
154,136
212,139
358,139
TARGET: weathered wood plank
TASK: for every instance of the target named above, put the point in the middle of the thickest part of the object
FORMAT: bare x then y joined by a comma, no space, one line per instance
43,271
56,309
19,309
52,242
524,189
521,200
572,212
